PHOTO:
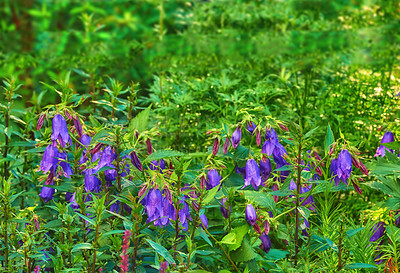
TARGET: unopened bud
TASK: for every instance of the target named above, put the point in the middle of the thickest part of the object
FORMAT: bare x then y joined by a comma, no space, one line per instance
40,121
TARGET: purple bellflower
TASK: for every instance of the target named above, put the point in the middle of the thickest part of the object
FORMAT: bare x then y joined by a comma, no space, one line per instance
60,131
265,168
271,141
341,167
251,127
157,165
379,230
251,216
92,183
50,159
252,174
265,242
213,179
47,193
387,138
225,211
204,220
236,137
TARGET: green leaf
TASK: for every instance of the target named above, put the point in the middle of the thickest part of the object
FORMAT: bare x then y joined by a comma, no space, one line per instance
244,253
276,254
263,199
204,235
111,232
239,232
162,155
329,139
392,145
81,247
309,133
198,271
162,251
140,122
224,271
359,265
353,232
91,221
210,195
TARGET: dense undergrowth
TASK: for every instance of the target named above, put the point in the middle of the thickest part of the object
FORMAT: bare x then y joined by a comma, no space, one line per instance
213,136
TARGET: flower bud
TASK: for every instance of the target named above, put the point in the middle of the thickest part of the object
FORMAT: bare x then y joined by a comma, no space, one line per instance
226,145
215,146
257,228
258,137
40,121
78,126
283,127
266,227
203,182
149,147
142,190
357,188
251,216
136,162
236,137
68,115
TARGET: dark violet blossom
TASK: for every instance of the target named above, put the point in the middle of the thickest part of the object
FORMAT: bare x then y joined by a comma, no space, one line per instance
92,183
65,165
378,231
251,126
149,146
204,220
73,203
47,193
251,216
341,167
50,159
60,131
265,168
387,138
225,211
271,141
252,174
158,208
236,137
265,242
85,139
157,165
213,179
184,214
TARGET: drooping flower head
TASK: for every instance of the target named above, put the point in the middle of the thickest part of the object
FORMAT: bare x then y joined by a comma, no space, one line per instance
92,183
47,193
236,137
265,242
225,211
250,213
251,126
252,174
344,166
50,159
271,141
60,131
213,179
387,138
265,168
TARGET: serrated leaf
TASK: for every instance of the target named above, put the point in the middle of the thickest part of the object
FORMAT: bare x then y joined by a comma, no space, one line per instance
140,122
262,199
162,251
210,195
244,253
162,155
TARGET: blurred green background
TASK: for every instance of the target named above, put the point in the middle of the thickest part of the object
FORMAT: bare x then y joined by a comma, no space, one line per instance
200,62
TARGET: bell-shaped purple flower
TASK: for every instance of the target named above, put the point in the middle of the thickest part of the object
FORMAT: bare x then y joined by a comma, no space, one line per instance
47,193
265,242
184,214
107,157
50,159
60,131
251,126
204,220
157,165
65,165
85,139
379,230
252,174
251,216
344,166
236,137
387,138
270,142
265,168
92,183
213,179
224,210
